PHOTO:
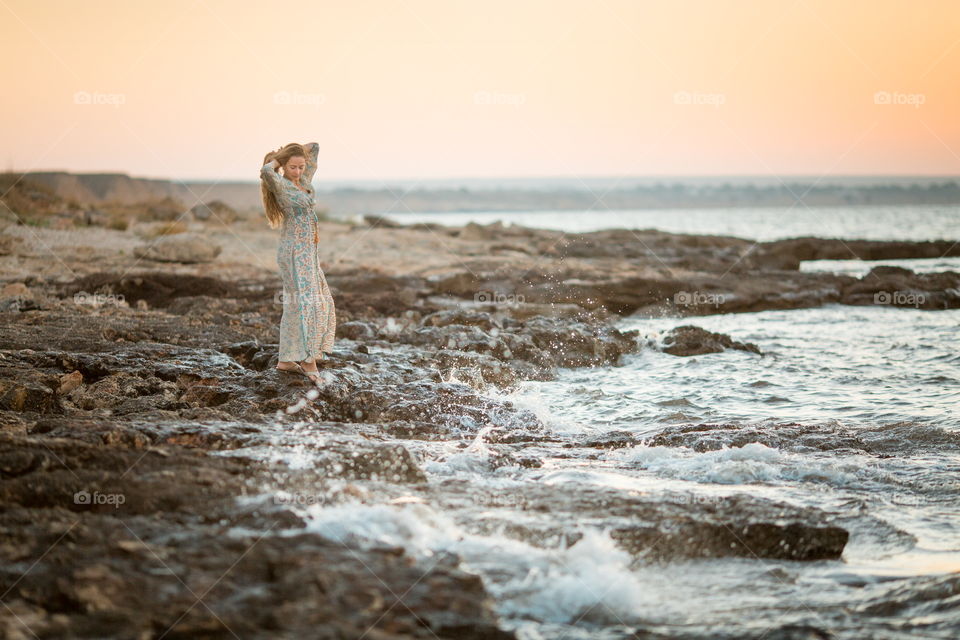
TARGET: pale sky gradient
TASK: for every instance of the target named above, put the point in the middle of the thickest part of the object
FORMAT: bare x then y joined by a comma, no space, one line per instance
452,88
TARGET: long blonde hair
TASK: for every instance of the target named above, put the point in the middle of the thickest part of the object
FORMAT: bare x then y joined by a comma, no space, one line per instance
271,207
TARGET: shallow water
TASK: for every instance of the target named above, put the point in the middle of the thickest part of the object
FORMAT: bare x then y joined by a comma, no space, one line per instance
860,268
851,410
862,365
913,222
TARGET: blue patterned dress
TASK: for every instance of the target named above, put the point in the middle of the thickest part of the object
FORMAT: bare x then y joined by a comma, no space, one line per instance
308,323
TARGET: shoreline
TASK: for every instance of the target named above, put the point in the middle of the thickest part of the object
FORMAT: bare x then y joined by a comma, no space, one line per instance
129,381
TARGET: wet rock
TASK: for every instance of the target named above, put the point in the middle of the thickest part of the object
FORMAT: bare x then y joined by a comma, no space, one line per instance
580,345
610,440
26,391
667,525
357,330
901,438
478,369
541,341
457,407
253,354
621,296
177,409
364,295
462,317
899,287
774,540
787,254
110,569
158,289
373,461
689,340
797,632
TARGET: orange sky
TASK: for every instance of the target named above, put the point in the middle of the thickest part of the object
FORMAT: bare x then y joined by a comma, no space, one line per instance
200,89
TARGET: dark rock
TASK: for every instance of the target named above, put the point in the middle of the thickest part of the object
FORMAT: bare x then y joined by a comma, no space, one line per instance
773,540
899,287
787,254
26,391
357,330
689,340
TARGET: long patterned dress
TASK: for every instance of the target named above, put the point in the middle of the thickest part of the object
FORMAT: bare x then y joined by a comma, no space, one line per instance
308,323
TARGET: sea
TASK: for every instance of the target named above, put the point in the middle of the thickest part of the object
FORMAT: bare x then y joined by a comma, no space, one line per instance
852,410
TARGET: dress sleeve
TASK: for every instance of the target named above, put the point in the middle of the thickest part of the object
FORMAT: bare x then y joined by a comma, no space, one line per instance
275,184
313,152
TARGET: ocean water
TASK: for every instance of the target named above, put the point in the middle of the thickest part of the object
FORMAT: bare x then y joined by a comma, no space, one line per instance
927,222
852,410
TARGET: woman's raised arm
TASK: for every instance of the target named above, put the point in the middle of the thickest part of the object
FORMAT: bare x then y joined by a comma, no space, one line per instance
313,152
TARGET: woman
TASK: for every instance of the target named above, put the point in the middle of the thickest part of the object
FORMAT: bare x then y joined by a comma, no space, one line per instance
308,323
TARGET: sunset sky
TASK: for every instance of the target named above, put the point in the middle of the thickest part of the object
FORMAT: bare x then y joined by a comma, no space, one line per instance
200,89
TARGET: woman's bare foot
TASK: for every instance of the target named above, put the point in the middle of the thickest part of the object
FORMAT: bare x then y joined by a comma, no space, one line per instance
289,365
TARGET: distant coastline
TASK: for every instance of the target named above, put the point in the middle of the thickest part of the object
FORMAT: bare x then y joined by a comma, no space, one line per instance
361,197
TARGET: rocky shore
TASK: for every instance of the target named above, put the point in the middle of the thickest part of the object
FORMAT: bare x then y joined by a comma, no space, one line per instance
147,440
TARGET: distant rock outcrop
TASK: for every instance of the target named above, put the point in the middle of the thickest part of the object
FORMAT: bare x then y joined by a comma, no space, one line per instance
181,247
103,187
215,211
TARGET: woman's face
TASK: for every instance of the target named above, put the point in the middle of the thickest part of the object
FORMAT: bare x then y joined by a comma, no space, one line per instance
294,167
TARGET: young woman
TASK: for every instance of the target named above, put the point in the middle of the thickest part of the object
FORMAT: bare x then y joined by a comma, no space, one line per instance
308,323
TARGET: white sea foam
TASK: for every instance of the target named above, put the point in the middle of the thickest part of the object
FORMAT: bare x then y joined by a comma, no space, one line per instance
751,463
590,578
477,457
